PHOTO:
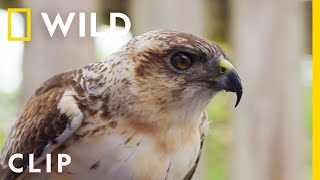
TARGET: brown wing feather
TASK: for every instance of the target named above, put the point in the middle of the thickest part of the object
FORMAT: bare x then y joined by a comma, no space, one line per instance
39,124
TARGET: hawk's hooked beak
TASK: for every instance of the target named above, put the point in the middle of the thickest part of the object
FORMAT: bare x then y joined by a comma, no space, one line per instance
229,79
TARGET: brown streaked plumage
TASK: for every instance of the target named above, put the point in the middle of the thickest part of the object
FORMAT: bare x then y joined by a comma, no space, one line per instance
137,115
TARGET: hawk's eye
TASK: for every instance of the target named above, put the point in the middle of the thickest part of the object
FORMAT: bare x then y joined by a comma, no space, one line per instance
181,60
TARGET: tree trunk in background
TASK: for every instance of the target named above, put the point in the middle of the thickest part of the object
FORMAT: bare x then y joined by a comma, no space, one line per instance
183,15
268,46
46,56
217,22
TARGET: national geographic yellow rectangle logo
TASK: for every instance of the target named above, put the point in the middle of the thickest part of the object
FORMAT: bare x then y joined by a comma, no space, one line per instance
20,10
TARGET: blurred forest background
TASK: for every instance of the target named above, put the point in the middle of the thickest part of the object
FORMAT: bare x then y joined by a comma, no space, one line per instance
268,137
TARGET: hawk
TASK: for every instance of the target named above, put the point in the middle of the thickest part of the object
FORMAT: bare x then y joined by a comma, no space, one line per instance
139,114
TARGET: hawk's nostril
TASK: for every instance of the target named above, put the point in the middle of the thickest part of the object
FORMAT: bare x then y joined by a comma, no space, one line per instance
223,70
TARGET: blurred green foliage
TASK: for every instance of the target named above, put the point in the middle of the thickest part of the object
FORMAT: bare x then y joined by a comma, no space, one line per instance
8,110
217,143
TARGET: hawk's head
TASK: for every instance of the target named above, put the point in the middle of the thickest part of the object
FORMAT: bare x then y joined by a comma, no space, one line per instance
178,71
